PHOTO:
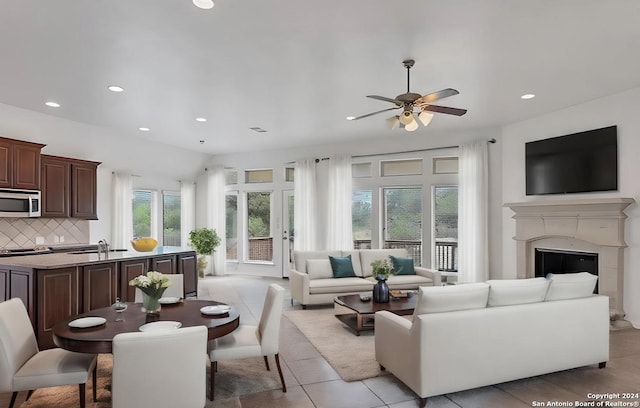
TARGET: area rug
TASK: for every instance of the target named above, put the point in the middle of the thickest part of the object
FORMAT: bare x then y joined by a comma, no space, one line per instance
233,380
353,357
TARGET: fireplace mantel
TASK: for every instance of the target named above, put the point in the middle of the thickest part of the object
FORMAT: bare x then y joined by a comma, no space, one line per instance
589,225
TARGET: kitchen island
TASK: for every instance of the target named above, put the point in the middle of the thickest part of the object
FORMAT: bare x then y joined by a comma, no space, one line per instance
55,286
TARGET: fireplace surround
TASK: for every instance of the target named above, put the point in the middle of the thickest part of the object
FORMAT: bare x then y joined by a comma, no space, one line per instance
593,226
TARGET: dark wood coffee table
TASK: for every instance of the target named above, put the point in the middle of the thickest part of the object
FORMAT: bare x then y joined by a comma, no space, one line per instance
362,317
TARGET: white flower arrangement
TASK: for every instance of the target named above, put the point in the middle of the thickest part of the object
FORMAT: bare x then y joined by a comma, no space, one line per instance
152,284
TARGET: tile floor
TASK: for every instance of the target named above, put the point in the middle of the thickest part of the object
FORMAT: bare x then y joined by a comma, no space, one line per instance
312,382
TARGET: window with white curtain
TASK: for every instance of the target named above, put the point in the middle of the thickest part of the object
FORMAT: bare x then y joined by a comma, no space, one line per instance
157,215
143,220
231,211
170,218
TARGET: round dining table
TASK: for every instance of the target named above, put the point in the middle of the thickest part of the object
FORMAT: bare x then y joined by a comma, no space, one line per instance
98,339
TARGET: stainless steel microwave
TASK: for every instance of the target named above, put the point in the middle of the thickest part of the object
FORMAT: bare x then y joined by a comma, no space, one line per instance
19,203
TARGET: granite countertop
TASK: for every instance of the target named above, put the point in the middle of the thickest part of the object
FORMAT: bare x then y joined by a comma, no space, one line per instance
67,259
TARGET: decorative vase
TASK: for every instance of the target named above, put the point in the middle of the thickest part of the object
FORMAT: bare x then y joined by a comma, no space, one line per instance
150,304
381,291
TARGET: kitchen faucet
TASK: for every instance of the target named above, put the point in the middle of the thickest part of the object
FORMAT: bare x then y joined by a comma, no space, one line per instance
103,245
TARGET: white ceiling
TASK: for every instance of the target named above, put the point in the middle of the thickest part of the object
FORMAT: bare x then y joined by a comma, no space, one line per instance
297,68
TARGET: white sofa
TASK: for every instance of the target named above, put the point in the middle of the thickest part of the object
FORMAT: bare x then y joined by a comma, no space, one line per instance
312,281
474,335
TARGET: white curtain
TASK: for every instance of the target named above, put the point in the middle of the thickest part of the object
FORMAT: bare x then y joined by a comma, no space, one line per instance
216,216
473,235
339,201
187,210
122,217
304,211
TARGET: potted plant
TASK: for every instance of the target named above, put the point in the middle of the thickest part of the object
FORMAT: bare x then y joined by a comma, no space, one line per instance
382,269
204,241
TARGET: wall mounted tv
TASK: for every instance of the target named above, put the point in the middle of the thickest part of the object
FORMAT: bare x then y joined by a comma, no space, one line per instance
576,163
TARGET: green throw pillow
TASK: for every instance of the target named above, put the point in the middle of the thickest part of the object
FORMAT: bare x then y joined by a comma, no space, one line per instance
402,266
342,267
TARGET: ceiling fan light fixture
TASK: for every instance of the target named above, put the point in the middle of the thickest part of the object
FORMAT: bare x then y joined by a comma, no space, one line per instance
411,126
406,117
425,117
203,4
393,122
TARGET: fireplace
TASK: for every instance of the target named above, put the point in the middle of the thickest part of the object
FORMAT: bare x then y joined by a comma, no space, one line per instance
560,261
581,227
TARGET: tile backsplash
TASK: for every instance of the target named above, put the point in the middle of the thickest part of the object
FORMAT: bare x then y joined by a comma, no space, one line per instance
29,232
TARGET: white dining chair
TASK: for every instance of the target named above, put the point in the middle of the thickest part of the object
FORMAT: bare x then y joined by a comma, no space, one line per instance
160,369
252,341
25,368
176,289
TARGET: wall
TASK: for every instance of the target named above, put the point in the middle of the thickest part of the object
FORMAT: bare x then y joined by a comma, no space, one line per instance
157,166
621,110
396,141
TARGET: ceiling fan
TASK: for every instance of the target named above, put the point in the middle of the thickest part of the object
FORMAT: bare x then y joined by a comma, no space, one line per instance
412,102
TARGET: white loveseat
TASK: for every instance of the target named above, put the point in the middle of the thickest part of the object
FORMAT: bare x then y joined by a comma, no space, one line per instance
312,281
474,335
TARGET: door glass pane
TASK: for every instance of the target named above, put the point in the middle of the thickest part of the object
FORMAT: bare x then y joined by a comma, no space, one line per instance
445,225
231,209
361,216
171,219
403,221
260,243
141,213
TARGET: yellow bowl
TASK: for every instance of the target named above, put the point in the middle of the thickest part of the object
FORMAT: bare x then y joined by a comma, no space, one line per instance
144,244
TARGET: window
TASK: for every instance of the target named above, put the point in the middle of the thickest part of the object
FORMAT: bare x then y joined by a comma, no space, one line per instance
445,228
260,241
445,165
258,176
230,177
401,167
231,209
171,219
361,170
142,210
361,217
403,220
289,174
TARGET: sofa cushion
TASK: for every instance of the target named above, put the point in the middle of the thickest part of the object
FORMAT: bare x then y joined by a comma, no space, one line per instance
570,285
439,299
517,291
355,260
344,285
402,266
300,258
342,267
319,269
370,255
407,282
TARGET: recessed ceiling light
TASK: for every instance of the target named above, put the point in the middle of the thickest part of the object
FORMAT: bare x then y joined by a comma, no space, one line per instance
115,88
351,117
203,4
144,129
201,119
52,104
527,96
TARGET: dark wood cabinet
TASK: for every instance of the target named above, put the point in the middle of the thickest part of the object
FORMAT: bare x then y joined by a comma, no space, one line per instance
56,185
20,164
99,286
128,271
187,266
57,300
4,284
164,264
69,188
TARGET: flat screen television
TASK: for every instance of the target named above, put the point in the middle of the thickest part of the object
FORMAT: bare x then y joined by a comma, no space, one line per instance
575,163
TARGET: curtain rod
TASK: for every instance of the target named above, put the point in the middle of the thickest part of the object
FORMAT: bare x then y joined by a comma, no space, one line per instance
492,140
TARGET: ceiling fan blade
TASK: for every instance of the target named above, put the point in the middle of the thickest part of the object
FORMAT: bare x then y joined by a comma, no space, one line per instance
434,96
374,113
385,99
444,109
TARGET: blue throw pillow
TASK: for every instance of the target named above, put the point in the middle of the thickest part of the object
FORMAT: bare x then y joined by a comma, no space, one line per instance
342,267
402,266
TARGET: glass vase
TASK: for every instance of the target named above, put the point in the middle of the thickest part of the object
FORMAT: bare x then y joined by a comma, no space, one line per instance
150,304
381,291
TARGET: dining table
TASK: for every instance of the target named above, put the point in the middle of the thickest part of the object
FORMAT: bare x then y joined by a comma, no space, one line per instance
98,338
